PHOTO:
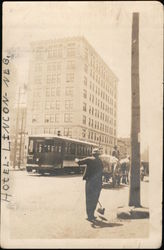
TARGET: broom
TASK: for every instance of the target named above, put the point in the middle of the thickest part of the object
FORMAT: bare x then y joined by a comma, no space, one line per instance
101,210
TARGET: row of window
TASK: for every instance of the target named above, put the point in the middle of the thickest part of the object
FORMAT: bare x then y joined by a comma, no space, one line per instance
56,104
98,103
94,88
106,85
52,146
96,137
102,93
66,131
54,66
96,66
98,125
52,118
94,63
57,91
54,78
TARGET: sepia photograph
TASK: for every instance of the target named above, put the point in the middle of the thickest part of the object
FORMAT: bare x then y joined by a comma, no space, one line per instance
81,144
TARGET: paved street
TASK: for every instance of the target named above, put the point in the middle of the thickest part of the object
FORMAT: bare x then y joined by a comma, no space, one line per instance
54,207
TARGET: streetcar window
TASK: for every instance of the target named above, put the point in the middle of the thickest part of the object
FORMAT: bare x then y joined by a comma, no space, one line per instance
81,150
88,150
85,150
59,150
31,146
57,147
48,148
72,148
78,149
40,148
66,147
53,149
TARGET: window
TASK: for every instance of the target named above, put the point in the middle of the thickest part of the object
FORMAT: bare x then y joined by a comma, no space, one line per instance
39,53
68,117
48,91
57,91
54,66
84,93
92,111
70,77
70,65
38,67
84,119
52,51
67,131
69,91
53,92
68,104
46,118
47,105
86,68
57,105
31,146
72,148
92,123
86,54
38,80
71,52
85,81
83,133
51,78
84,107
55,51
57,118
51,118
52,105
34,118
59,66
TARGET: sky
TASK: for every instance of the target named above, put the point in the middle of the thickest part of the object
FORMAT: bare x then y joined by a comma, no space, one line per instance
107,26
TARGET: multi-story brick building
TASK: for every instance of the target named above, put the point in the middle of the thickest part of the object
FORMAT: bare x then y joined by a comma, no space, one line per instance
72,89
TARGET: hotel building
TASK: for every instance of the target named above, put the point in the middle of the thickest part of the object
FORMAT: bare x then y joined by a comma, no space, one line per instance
72,90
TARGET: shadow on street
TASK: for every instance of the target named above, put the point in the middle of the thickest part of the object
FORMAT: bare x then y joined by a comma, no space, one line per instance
57,176
102,224
109,186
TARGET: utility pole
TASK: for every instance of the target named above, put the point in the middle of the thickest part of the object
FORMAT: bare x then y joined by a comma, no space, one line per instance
16,130
134,196
20,142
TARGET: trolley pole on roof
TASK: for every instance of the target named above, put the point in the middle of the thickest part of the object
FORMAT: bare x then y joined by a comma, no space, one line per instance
134,196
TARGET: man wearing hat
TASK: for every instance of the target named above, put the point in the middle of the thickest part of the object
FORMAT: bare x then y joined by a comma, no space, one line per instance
93,177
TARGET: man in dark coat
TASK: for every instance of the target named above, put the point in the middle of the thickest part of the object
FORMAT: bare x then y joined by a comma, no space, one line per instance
93,177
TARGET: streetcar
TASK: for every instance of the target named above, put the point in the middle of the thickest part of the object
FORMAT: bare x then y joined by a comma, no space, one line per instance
52,154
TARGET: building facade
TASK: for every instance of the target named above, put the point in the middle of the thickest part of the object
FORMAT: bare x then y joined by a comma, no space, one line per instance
72,90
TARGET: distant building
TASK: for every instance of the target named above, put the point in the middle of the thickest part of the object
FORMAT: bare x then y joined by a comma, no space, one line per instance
72,90
124,147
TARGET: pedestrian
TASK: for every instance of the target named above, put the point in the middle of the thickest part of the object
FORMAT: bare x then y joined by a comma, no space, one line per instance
93,177
116,152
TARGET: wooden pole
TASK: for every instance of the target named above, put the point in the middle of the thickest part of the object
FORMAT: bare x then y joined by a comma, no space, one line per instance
134,196
16,131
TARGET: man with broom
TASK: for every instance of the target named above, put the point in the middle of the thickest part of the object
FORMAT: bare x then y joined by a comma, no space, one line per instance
93,177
